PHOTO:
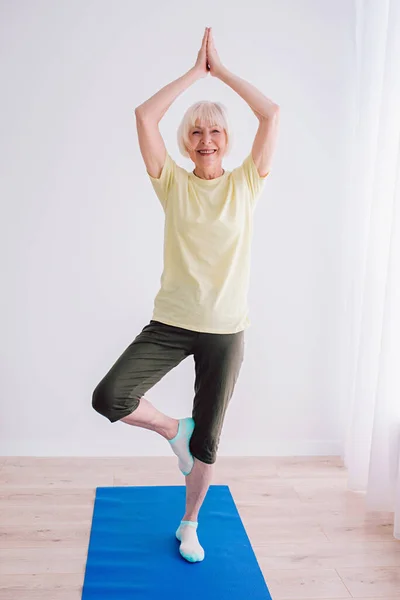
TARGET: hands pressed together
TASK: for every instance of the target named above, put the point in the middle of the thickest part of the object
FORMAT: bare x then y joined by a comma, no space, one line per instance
208,60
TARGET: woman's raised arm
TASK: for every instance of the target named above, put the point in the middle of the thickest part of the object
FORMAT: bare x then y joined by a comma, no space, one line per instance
149,114
266,111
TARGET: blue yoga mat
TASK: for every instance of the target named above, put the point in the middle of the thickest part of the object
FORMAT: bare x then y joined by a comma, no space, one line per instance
134,554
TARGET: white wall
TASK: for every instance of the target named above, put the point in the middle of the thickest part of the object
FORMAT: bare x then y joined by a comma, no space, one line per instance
82,230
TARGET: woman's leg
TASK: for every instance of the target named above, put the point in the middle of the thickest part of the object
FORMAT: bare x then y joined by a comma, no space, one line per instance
120,394
218,359
153,353
148,417
197,484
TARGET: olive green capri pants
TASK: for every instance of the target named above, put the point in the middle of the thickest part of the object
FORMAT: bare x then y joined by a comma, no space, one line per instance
152,354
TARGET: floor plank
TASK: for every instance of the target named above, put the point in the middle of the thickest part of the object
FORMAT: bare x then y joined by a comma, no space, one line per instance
327,554
371,581
308,583
38,561
46,496
43,586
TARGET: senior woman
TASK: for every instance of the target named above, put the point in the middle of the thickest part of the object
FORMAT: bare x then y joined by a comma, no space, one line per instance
201,307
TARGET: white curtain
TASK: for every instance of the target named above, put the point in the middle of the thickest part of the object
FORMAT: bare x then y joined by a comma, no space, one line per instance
371,261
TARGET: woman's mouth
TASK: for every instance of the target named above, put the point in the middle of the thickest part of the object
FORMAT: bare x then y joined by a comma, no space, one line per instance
206,151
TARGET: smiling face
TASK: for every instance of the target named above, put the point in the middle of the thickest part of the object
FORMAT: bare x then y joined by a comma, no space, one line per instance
207,145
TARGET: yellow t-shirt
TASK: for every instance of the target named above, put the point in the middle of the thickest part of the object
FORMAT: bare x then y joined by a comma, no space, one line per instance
207,239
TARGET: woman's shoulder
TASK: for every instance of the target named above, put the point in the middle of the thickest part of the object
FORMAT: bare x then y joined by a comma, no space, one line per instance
174,166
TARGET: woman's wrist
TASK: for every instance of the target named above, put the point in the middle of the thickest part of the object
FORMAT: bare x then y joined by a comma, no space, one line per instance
221,72
196,73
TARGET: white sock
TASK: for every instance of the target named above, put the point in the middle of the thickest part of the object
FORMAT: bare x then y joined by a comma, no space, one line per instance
180,445
190,547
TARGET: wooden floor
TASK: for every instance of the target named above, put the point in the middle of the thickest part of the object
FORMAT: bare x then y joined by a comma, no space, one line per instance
312,538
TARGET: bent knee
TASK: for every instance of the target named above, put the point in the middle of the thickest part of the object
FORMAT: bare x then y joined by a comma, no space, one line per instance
102,399
105,402
111,404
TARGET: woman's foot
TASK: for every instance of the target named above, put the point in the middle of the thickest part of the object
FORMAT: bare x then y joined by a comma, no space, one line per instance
190,548
180,445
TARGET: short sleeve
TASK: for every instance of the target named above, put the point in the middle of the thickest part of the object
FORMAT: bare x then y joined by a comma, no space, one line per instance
163,185
248,176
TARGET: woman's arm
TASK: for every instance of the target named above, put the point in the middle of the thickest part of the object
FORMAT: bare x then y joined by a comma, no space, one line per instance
150,113
266,111
262,106
155,107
